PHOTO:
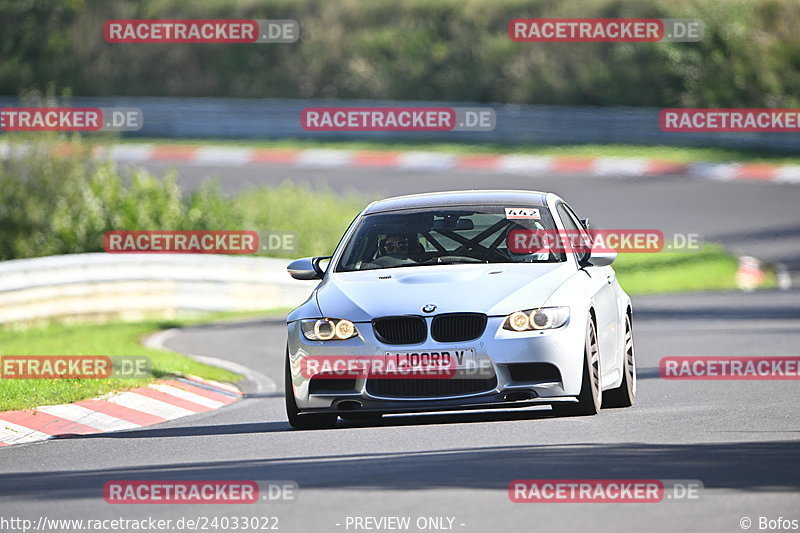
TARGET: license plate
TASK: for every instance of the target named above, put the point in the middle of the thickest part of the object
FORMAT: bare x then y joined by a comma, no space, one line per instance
452,359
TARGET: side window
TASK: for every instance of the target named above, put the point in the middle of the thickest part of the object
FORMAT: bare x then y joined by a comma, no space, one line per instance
566,218
574,216
572,224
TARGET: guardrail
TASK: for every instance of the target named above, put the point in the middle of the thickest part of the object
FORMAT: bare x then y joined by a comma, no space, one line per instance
275,119
133,286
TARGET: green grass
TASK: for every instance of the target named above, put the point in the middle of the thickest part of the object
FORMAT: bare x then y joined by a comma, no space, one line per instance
118,338
666,153
709,269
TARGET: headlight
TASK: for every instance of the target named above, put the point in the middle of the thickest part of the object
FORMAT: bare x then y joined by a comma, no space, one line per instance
537,319
518,321
326,329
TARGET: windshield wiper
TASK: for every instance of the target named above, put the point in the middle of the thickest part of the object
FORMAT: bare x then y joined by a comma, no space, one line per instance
460,260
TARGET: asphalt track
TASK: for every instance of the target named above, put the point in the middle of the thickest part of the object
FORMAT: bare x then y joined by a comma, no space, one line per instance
741,439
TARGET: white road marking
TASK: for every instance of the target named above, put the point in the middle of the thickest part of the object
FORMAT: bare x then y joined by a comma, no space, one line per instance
324,158
148,405
617,166
87,417
186,395
135,153
11,433
787,174
233,367
524,164
222,156
426,161
715,171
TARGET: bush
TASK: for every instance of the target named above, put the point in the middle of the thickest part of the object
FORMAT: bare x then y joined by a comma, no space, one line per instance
414,50
318,217
60,197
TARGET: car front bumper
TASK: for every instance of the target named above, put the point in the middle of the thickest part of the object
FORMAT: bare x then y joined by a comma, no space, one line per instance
500,350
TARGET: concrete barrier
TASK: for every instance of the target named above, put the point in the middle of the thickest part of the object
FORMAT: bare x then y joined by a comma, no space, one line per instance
105,286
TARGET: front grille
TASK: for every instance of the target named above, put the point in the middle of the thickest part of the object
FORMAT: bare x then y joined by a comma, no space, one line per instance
400,329
534,372
429,388
458,327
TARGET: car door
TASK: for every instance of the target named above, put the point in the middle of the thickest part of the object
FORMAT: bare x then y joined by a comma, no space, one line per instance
601,282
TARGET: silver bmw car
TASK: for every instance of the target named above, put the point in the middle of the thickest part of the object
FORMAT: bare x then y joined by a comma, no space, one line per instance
427,305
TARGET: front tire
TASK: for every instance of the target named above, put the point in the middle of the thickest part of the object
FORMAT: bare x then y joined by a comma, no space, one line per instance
625,394
302,421
591,396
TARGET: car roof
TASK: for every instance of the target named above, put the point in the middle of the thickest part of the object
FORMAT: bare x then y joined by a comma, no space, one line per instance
510,198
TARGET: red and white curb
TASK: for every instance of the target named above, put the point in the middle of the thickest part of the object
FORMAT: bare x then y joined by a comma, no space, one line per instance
230,156
162,400
526,165
750,274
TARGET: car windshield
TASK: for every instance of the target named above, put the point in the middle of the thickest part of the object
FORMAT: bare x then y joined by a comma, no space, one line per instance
443,235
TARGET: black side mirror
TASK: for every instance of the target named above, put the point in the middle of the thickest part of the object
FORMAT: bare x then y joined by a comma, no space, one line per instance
599,259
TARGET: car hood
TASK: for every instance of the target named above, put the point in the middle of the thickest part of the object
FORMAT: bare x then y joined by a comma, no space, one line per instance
494,289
